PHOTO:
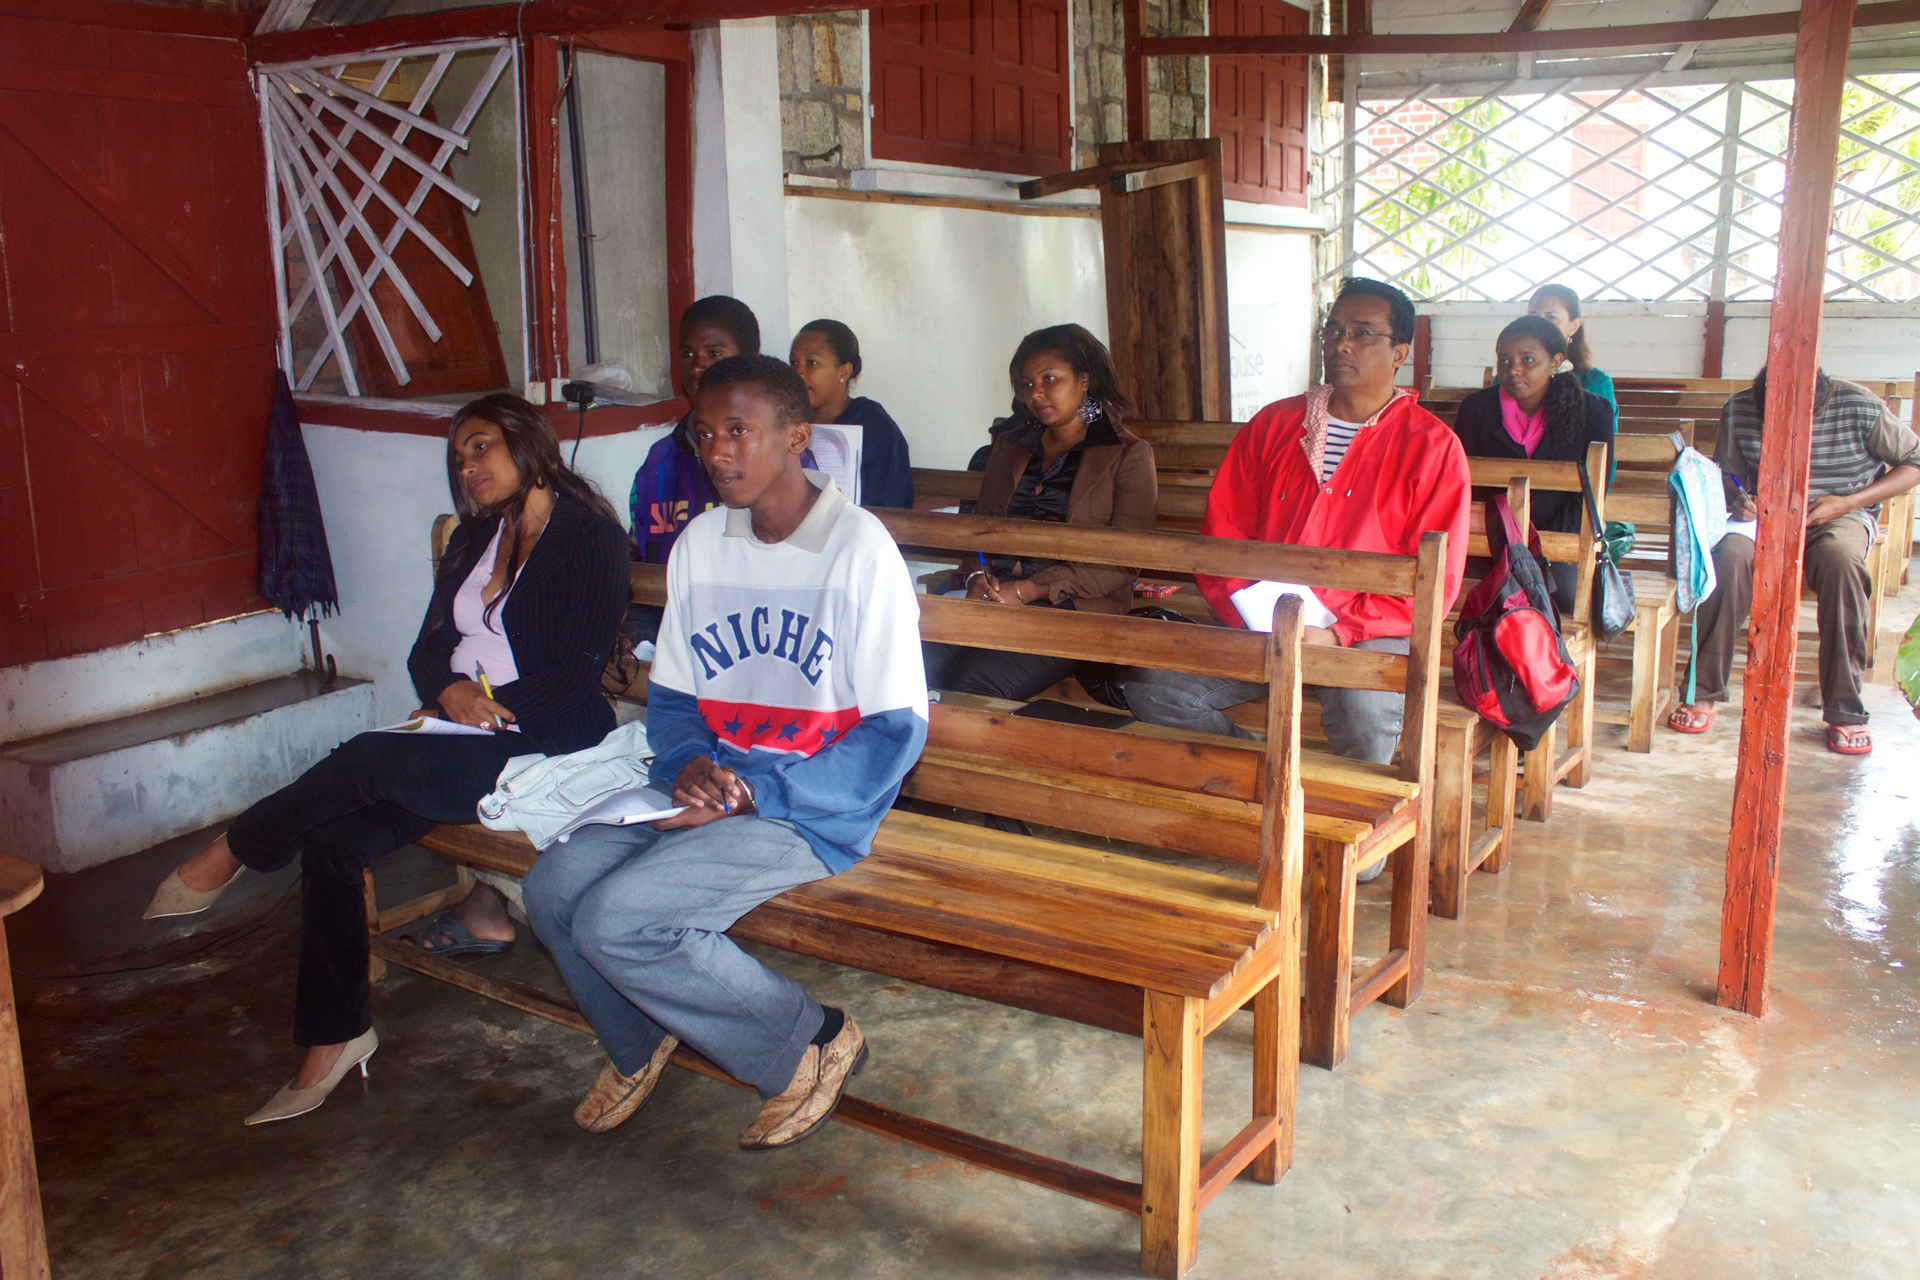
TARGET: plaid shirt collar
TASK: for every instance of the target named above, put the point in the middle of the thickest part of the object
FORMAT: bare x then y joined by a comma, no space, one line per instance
1315,439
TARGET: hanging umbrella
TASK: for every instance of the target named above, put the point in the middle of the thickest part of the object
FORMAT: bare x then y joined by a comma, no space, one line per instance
296,570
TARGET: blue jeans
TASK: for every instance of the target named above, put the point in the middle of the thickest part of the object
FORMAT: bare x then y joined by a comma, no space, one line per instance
636,919
1361,724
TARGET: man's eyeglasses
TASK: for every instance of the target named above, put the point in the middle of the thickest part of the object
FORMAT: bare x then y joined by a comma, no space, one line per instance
1331,336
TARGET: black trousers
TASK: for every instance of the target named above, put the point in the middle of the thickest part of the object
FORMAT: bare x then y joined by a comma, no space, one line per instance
990,673
372,794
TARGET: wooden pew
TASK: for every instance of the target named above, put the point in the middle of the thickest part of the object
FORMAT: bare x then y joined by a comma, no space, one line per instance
1169,953
1356,814
1461,734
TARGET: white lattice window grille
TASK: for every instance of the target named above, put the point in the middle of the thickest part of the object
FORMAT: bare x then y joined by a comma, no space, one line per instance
1643,193
311,114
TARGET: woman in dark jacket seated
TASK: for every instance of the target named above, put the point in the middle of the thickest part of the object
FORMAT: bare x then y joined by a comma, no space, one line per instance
1063,457
1534,412
529,594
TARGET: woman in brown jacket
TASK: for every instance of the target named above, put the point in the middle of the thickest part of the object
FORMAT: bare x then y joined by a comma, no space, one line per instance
1062,457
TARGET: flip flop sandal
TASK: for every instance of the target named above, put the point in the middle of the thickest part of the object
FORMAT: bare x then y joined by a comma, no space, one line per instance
1849,739
1685,721
463,942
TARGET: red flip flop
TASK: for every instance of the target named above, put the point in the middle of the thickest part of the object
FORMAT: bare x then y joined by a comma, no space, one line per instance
1685,721
1849,740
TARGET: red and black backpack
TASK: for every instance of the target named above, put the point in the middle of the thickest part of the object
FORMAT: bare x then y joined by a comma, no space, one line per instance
1509,662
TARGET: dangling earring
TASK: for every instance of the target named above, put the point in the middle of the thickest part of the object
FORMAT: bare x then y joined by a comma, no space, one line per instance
1089,411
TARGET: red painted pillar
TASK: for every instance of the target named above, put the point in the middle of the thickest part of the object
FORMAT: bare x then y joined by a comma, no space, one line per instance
1793,357
679,169
546,258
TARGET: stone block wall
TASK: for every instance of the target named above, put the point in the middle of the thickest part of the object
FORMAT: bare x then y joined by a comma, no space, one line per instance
821,94
1176,87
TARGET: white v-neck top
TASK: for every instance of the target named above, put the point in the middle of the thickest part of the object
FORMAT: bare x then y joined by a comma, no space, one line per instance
483,640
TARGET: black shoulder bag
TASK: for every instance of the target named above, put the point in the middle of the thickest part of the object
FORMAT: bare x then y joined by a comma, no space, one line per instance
1612,587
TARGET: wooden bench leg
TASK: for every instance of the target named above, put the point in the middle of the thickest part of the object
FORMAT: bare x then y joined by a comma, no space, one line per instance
1666,680
427,904
1328,975
1536,798
1170,1136
376,967
1503,779
1276,1067
1411,869
1646,682
1580,721
1452,817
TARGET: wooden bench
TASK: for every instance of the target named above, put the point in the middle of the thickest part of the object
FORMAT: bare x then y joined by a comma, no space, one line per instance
1460,735
1357,814
1544,767
1091,935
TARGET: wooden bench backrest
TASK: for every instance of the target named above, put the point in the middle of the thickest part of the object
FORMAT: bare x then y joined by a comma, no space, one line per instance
1223,651
1651,452
1556,477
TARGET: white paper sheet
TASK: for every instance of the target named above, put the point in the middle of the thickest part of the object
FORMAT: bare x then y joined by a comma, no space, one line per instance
1255,602
836,451
624,808
1746,528
433,725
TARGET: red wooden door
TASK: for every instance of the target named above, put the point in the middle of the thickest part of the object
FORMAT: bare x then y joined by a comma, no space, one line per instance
977,84
1259,106
137,345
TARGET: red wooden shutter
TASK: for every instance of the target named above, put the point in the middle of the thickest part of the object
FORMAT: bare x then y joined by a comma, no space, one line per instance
137,350
1259,106
976,84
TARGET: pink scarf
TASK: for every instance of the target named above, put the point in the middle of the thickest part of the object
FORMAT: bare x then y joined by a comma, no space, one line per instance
1314,441
1526,429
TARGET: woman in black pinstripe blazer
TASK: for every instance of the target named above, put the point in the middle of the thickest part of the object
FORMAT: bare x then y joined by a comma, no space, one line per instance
530,592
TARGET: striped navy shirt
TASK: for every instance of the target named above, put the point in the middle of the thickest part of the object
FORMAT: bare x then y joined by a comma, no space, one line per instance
1855,441
1339,436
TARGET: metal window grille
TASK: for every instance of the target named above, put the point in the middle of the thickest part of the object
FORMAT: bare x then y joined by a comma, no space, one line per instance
1643,193
312,115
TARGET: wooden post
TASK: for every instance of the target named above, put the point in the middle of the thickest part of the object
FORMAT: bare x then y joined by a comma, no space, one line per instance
1133,19
1422,354
1793,358
23,1236
679,173
546,260
1715,358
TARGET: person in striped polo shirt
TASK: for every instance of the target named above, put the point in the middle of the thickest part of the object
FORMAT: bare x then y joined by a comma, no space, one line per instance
1862,456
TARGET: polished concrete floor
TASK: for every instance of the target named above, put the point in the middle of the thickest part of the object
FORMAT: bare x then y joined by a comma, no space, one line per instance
1564,1101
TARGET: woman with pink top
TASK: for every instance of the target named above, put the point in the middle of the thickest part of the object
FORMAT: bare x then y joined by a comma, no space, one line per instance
1534,412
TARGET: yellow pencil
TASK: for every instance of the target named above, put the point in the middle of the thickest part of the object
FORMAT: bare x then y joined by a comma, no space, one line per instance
484,686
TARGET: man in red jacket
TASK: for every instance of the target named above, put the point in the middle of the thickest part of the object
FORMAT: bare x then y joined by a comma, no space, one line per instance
1355,464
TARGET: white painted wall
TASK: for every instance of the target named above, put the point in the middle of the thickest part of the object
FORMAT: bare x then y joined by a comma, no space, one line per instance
739,241
939,297
1652,339
44,697
1270,316
379,493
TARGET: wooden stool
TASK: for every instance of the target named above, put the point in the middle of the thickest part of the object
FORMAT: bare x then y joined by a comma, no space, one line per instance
23,1236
